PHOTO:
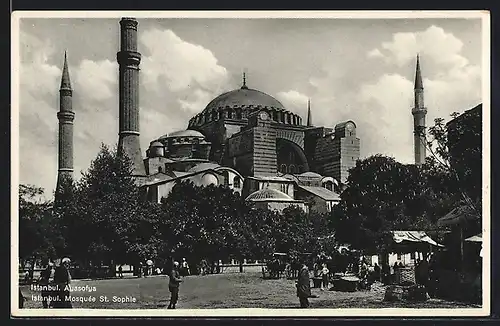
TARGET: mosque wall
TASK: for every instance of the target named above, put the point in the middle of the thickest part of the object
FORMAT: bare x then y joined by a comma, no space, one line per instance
264,151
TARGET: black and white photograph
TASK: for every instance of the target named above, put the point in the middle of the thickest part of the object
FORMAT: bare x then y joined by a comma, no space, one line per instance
263,163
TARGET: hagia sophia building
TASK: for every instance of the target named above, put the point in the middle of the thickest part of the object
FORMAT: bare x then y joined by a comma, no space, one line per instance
243,139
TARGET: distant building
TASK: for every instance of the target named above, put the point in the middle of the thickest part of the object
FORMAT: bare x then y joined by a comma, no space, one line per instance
269,198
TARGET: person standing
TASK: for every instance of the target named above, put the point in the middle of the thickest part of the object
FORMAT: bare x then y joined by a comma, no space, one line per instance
173,285
120,271
324,275
44,281
304,286
185,268
62,279
377,272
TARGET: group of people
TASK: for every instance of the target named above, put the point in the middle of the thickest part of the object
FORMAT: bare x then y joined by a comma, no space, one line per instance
54,293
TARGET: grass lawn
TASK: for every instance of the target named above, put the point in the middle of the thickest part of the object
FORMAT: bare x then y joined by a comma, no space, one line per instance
231,290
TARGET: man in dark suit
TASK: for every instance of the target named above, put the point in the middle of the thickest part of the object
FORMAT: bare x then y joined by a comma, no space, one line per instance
62,278
304,286
173,285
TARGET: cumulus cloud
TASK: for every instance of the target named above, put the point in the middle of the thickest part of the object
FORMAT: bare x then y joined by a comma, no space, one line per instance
93,84
385,123
453,85
97,79
375,53
434,42
188,70
294,101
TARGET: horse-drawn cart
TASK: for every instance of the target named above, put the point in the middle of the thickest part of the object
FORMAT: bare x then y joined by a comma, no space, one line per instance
276,266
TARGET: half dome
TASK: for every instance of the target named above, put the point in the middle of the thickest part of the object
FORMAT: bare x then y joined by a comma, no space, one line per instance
156,144
269,194
310,174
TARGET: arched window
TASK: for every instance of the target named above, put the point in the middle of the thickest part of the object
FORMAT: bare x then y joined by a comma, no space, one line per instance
230,114
283,168
292,169
160,170
209,179
236,182
238,114
220,115
226,178
328,185
300,168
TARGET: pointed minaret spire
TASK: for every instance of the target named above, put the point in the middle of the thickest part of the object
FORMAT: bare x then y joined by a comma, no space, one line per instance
65,81
66,117
309,115
244,81
418,75
419,112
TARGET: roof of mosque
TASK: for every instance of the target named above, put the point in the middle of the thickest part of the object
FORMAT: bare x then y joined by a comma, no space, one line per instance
269,194
310,175
203,166
321,192
156,144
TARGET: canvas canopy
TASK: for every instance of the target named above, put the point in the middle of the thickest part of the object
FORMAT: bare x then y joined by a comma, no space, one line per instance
476,238
458,215
408,241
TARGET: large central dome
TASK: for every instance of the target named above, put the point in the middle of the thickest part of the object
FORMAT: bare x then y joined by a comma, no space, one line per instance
238,104
244,97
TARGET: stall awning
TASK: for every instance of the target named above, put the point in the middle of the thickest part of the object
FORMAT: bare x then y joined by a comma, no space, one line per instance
413,236
458,215
475,238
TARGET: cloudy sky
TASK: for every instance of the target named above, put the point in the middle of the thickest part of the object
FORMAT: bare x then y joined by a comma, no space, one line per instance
350,69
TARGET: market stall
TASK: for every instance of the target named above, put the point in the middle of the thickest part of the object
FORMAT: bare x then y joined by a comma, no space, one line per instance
410,242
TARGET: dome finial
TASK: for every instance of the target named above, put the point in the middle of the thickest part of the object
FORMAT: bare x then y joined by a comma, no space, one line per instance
244,81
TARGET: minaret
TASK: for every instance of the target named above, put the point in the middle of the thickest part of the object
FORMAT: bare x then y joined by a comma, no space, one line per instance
419,111
309,116
129,59
66,117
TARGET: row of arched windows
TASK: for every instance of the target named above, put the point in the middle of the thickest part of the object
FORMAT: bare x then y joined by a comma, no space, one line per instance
291,169
240,113
236,180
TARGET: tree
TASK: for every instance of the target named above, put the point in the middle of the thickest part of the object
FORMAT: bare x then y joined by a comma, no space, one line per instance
204,222
108,222
37,234
456,147
383,195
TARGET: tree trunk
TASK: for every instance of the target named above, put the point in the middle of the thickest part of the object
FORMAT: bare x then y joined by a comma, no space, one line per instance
113,268
241,265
